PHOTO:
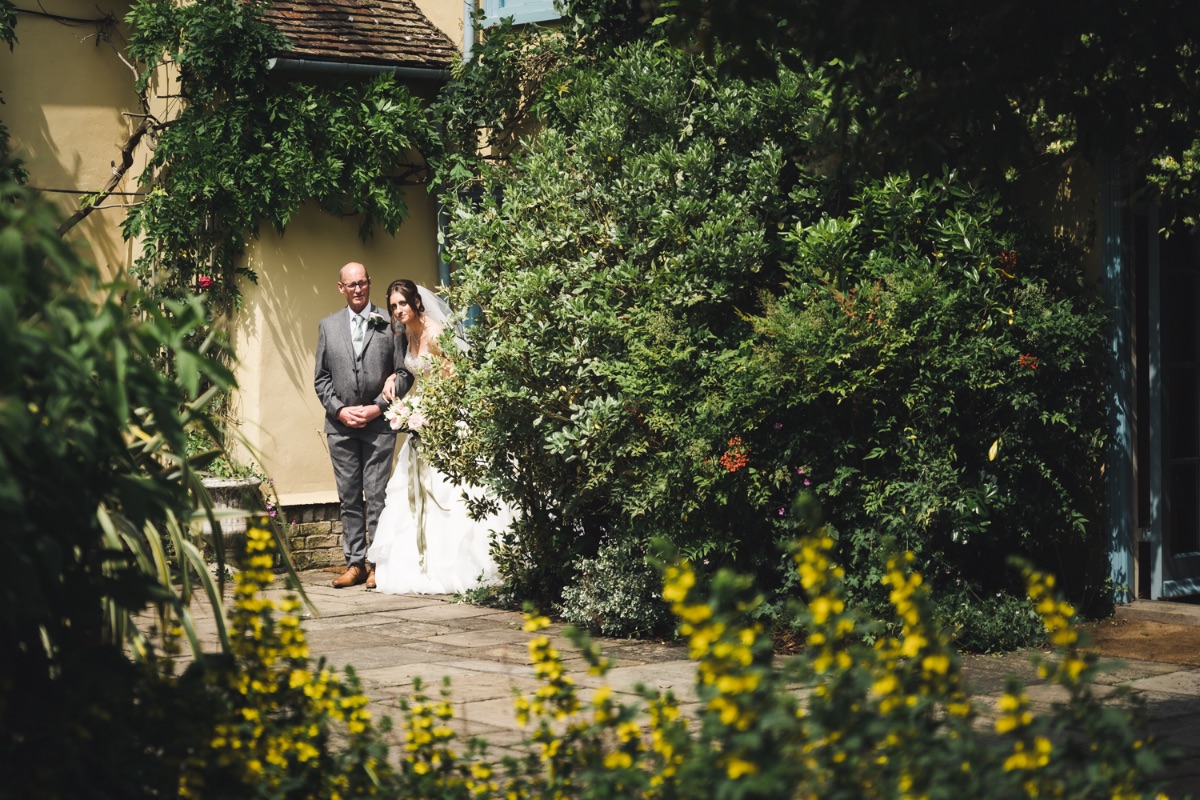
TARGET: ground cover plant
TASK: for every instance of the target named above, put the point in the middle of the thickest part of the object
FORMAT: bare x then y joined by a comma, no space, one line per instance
689,309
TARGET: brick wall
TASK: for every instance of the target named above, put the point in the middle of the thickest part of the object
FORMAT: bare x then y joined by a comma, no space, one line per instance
315,535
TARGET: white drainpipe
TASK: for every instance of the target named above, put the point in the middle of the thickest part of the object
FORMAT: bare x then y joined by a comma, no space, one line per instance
468,29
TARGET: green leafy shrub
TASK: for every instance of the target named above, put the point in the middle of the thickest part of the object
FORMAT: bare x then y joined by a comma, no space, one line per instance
994,623
930,372
96,494
280,726
616,593
688,312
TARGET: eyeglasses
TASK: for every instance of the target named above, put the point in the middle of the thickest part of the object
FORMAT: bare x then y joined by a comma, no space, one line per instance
355,285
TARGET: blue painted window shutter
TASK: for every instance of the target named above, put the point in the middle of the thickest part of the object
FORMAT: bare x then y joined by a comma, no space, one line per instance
522,11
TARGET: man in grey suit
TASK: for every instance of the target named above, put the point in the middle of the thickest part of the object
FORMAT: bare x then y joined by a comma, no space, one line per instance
356,352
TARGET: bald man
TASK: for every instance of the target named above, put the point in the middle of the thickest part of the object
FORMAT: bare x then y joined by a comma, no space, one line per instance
357,349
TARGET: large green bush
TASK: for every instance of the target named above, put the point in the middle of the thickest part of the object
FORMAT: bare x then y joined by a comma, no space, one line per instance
931,371
689,310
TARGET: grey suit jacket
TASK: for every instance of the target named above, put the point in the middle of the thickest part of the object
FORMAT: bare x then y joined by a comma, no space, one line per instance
343,380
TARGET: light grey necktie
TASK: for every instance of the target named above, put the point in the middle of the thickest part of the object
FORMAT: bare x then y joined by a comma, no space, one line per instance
360,327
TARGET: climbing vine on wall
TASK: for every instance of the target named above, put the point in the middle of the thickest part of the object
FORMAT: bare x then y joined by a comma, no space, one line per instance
10,169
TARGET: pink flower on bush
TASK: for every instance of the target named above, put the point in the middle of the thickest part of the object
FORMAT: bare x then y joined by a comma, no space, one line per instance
204,282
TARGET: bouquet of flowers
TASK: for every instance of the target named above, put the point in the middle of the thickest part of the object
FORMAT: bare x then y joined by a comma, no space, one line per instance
405,414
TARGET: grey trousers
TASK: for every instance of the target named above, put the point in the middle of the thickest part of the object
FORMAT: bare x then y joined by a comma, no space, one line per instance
361,465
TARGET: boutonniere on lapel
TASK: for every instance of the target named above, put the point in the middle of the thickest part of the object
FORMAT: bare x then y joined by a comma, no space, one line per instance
377,321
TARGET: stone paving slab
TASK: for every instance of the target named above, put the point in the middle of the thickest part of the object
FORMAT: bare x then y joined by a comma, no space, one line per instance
1125,670
523,669
487,640
678,677
1185,682
448,610
466,683
406,631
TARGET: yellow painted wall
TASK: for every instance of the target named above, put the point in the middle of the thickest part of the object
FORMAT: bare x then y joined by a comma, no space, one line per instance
276,335
64,91
447,15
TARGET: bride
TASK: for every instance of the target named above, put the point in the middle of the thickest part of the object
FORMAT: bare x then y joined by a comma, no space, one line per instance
425,541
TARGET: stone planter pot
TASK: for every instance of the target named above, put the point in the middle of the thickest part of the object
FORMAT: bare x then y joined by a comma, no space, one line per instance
229,495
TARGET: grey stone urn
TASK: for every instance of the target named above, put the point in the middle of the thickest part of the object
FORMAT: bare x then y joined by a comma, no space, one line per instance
230,495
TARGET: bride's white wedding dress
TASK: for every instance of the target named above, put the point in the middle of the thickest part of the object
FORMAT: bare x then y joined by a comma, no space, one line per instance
426,542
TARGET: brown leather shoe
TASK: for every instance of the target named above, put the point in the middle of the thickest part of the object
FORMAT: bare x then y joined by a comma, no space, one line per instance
354,575
370,576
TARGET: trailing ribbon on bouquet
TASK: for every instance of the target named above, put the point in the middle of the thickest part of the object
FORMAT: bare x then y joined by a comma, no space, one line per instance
421,484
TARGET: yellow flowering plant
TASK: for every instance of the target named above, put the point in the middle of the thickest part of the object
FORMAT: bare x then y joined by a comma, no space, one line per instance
431,764
869,709
889,715
283,727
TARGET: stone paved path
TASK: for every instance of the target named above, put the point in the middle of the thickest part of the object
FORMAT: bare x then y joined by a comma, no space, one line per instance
391,640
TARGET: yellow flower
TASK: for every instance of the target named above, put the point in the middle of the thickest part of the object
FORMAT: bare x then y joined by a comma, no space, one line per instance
938,664
958,709
736,767
694,614
628,731
1072,668
885,685
732,684
1010,702
677,581
551,749
822,607
1011,722
913,644
1064,638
